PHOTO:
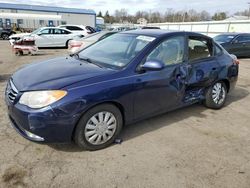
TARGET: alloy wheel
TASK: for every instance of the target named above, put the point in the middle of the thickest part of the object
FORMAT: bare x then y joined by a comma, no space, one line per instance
218,93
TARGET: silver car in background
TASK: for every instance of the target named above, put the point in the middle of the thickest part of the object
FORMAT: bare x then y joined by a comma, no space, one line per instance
78,44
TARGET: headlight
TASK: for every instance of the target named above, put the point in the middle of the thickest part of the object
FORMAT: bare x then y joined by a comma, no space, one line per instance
40,99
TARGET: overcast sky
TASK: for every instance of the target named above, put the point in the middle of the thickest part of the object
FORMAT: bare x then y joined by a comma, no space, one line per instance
132,6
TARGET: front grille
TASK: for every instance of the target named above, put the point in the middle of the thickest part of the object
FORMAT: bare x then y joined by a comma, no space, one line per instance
11,91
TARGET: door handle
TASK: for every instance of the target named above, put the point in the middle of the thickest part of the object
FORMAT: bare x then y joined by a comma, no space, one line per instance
214,68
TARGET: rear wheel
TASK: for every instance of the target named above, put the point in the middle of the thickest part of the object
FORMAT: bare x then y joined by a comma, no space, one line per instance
216,95
98,127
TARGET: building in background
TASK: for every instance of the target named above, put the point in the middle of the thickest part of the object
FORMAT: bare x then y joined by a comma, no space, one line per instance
142,21
35,16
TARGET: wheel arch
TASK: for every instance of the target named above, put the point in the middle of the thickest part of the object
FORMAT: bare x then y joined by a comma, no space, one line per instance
67,43
114,103
227,83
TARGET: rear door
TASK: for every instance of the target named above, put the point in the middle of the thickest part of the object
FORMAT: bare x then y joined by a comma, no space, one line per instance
203,67
60,37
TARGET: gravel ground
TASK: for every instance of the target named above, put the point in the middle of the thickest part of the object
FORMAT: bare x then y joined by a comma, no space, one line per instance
190,147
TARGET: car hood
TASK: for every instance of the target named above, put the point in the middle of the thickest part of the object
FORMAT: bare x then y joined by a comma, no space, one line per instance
56,74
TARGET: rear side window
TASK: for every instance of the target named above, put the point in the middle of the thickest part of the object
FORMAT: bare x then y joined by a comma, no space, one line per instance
57,31
199,48
244,38
60,31
217,50
65,32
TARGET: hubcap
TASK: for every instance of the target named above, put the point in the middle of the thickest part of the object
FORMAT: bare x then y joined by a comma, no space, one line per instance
100,128
218,93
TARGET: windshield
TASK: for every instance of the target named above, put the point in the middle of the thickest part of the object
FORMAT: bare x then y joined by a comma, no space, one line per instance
224,38
117,50
36,31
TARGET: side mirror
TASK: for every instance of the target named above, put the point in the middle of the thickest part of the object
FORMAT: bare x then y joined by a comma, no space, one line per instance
39,34
152,65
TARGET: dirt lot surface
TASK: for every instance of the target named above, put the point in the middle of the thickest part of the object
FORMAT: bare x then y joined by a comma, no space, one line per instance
190,147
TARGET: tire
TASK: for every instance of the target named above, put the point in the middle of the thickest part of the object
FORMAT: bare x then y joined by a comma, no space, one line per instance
19,53
5,36
92,133
67,44
216,95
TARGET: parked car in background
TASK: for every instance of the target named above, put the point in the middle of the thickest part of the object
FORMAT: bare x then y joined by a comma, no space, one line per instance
52,37
79,29
150,27
235,43
16,37
5,33
119,80
78,44
118,29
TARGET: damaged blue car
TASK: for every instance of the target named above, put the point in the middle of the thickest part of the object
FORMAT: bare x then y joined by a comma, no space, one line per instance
89,96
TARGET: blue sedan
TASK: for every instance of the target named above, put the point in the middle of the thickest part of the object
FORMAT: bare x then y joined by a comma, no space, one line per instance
89,96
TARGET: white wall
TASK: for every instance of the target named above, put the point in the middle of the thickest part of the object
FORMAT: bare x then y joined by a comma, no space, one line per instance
211,28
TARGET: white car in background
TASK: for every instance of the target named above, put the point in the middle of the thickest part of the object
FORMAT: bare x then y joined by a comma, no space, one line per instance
79,29
52,37
17,36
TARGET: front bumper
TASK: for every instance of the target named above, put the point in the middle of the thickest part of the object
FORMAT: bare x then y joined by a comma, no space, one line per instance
43,125
50,124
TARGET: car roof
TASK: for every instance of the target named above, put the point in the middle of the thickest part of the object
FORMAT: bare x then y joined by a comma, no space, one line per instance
160,32
234,34
82,26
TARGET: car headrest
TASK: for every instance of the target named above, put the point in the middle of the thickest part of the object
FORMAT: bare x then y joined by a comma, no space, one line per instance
200,49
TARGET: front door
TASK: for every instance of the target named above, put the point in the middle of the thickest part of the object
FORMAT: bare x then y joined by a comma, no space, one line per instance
44,38
160,91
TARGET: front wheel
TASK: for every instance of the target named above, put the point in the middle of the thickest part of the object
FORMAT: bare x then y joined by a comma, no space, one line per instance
98,127
216,95
5,36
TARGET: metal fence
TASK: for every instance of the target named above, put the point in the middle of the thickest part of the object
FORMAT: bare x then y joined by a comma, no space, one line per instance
210,28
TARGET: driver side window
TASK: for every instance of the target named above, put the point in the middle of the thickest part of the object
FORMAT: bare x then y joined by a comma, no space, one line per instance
46,31
170,51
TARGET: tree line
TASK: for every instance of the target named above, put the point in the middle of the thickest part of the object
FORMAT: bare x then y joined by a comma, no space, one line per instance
122,16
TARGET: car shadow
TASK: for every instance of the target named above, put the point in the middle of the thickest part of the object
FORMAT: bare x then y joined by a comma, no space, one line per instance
140,128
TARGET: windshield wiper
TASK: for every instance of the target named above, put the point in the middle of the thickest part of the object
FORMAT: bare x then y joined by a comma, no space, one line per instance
89,61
